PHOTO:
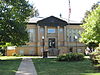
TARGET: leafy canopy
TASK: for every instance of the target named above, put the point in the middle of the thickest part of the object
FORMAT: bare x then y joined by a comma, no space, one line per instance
13,16
91,33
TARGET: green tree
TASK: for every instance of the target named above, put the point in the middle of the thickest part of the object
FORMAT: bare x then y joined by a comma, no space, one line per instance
91,33
94,6
13,16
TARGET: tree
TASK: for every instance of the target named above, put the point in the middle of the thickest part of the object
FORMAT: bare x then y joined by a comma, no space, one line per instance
34,13
13,16
91,33
94,6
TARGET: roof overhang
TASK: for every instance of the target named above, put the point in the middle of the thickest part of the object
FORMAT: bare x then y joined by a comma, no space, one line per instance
52,21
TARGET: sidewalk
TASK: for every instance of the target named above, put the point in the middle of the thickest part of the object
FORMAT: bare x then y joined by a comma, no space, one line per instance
26,67
37,57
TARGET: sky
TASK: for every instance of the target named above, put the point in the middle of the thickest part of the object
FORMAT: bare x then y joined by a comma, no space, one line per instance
48,8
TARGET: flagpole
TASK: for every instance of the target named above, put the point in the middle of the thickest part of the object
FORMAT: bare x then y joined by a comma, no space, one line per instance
68,23
69,11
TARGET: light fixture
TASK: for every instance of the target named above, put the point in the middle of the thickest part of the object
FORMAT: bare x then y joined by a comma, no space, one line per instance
42,37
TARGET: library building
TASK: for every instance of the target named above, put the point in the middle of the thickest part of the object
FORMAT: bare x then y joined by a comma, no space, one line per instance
52,34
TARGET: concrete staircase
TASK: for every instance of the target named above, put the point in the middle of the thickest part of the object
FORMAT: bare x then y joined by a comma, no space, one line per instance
53,51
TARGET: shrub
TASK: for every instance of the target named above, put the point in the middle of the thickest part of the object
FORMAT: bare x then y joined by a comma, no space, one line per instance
15,54
1,54
2,51
96,54
71,57
62,57
95,58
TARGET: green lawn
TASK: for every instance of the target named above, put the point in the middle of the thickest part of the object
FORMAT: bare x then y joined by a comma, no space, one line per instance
9,66
53,67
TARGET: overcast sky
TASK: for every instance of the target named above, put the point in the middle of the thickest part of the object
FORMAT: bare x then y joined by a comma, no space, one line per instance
55,7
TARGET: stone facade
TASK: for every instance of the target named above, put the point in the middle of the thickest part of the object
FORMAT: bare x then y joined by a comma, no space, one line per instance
57,36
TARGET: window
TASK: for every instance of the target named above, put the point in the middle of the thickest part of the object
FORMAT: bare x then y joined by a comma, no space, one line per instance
42,30
79,50
31,35
51,30
70,38
31,52
21,52
61,30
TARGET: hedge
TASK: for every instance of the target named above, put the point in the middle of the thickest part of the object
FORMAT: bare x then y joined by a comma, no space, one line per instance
71,57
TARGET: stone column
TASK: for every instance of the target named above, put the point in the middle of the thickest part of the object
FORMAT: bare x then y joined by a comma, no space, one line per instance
65,34
38,33
38,40
58,40
45,35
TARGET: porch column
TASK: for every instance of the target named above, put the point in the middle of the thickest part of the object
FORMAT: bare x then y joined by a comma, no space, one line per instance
65,34
45,35
38,34
58,41
38,41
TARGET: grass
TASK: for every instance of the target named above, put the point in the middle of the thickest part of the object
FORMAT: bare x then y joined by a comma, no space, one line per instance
9,66
53,67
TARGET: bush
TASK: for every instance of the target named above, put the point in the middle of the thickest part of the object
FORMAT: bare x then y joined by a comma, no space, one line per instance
96,54
62,57
1,54
71,57
2,51
14,54
95,58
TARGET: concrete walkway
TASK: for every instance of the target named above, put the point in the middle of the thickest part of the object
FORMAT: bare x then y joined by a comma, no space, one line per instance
26,67
37,57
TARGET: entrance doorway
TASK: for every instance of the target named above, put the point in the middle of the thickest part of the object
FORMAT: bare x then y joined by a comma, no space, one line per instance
51,42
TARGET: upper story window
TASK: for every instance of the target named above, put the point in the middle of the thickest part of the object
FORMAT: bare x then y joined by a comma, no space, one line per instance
51,30
42,30
61,30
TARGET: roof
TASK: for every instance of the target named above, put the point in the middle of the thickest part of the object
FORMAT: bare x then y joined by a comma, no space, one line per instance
34,19
52,20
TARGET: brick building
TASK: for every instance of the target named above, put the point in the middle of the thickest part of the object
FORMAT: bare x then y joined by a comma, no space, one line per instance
59,35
